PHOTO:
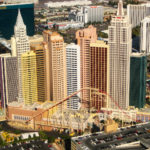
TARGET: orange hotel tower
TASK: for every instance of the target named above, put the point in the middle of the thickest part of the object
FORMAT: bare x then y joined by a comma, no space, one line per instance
84,38
55,56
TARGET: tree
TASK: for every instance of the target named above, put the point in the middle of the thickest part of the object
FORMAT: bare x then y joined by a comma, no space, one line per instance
15,140
43,135
29,137
136,31
20,139
103,35
51,139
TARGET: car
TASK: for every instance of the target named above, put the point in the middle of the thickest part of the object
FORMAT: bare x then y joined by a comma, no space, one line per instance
135,134
119,138
133,126
94,134
21,148
122,129
46,141
51,148
116,144
49,145
112,146
96,139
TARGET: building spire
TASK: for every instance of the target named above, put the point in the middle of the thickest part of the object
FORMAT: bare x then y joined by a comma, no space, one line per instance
120,11
19,21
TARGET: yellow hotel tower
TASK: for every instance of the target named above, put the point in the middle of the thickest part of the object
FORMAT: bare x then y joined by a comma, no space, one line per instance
29,77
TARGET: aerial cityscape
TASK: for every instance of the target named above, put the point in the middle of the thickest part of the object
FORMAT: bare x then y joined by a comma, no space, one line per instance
74,74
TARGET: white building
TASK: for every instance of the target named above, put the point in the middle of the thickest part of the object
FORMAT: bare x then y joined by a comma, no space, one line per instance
120,44
73,74
137,13
95,13
31,134
67,4
88,14
21,44
65,25
145,35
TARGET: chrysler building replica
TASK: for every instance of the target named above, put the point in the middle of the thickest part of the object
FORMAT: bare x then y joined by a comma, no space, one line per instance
21,44
120,43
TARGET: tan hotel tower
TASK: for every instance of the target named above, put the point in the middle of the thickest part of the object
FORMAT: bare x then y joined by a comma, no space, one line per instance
55,56
84,38
120,43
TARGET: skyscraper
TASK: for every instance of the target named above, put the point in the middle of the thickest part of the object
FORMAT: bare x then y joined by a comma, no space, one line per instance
138,67
8,16
84,38
88,14
145,35
29,77
120,44
8,79
21,43
73,74
137,13
99,63
40,64
55,57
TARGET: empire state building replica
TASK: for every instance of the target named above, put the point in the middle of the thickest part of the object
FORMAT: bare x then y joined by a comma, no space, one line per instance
22,45
120,43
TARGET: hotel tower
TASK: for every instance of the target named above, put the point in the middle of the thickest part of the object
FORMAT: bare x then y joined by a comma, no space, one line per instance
84,38
99,72
21,43
55,56
120,44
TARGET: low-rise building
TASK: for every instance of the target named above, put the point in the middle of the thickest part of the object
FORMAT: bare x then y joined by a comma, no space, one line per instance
30,134
88,14
67,4
65,25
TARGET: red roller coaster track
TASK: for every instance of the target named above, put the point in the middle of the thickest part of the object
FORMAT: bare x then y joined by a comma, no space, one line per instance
75,93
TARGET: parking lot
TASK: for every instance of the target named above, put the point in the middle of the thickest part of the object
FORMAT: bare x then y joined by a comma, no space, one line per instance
112,141
29,145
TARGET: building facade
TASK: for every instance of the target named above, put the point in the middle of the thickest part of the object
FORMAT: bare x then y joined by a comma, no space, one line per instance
138,66
137,13
40,64
145,35
73,74
95,13
120,44
8,15
55,56
21,44
66,4
84,38
8,79
29,78
88,14
99,73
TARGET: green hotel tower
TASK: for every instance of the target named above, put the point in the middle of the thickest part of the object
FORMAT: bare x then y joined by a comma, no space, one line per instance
138,64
